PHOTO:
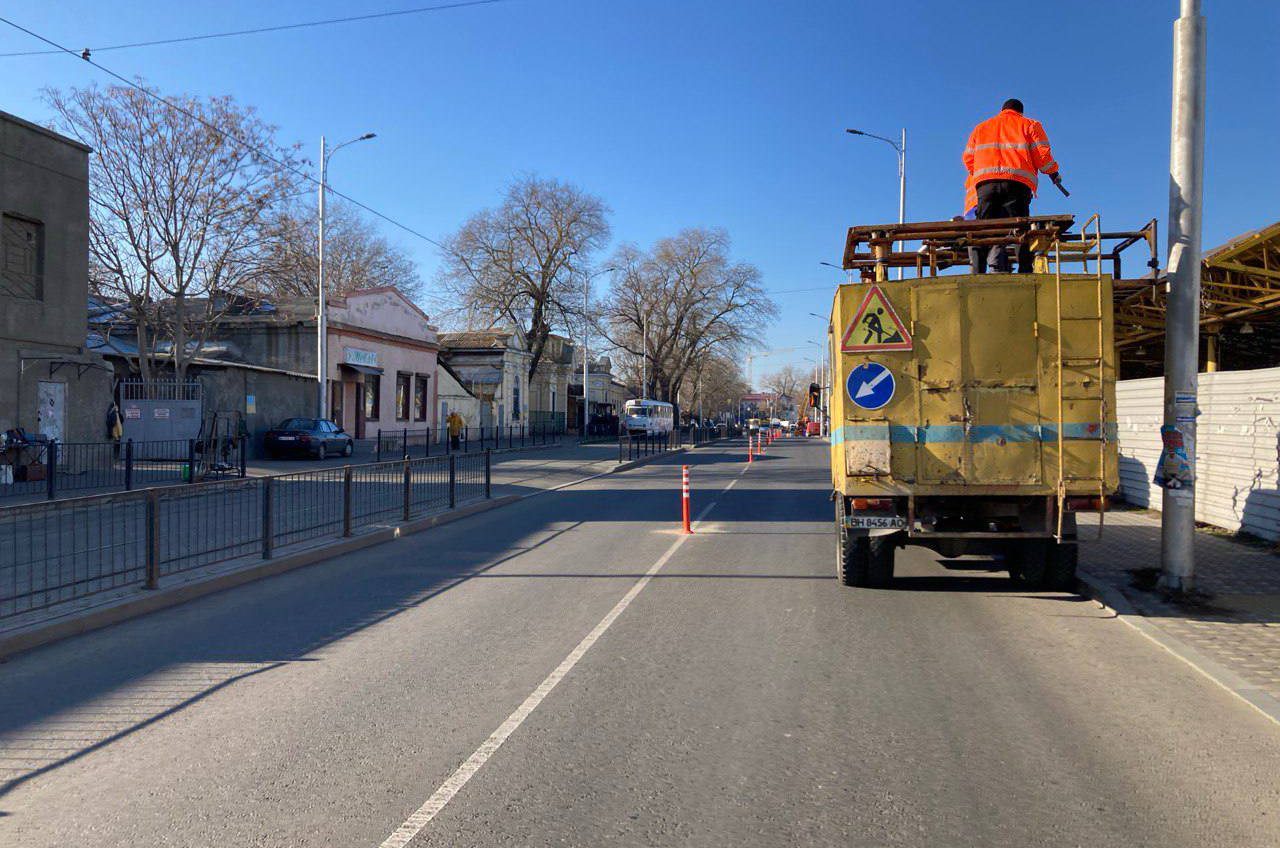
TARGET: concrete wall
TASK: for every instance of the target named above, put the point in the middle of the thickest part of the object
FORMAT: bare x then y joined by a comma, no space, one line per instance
452,397
44,178
1237,451
276,397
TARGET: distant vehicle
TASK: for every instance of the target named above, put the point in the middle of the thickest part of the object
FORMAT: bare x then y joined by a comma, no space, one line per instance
648,417
753,424
314,437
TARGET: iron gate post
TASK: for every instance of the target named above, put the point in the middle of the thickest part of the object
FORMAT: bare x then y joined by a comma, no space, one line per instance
128,464
268,529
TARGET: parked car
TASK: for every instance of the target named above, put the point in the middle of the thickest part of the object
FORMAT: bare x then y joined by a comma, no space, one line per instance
308,436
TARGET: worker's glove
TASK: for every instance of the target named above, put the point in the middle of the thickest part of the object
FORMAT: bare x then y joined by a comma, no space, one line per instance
1056,177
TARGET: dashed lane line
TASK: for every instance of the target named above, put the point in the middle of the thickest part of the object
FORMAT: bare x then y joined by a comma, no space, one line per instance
451,787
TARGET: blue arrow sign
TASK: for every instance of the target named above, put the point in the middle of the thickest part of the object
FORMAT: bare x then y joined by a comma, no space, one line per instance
870,385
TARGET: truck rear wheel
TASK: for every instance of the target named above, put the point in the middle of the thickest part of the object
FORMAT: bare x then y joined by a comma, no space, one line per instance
1062,567
862,561
1044,565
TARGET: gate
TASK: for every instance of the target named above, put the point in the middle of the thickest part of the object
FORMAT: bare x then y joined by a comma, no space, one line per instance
164,411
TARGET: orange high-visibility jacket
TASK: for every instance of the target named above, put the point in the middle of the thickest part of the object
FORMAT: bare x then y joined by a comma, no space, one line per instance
1009,146
970,194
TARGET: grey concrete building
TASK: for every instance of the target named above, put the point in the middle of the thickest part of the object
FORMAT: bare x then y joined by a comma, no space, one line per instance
494,366
50,382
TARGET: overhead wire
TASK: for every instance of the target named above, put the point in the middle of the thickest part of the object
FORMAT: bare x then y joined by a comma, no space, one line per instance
216,129
461,4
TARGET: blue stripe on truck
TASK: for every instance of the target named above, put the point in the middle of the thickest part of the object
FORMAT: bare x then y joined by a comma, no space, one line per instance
978,433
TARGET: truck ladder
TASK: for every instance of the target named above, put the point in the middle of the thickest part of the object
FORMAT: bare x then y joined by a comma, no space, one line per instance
1097,361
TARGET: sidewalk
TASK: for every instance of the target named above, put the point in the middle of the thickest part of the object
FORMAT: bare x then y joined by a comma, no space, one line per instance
1233,619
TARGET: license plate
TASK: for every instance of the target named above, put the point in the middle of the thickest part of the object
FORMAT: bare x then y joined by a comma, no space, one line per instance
285,438
876,522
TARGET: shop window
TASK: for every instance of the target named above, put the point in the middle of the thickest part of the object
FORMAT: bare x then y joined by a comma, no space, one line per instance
402,397
372,393
421,394
22,259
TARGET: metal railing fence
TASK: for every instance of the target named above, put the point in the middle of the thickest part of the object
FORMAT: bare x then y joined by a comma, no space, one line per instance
53,552
633,446
426,442
54,468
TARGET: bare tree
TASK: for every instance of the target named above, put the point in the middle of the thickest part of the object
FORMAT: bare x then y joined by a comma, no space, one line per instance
178,200
716,384
356,255
681,302
787,380
525,262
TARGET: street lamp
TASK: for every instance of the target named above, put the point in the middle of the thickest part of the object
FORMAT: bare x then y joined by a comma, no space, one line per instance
901,150
321,322
586,323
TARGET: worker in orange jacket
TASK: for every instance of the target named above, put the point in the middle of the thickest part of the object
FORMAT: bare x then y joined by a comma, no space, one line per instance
1004,157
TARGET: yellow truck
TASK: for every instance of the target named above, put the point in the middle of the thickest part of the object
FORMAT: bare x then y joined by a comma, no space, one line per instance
973,413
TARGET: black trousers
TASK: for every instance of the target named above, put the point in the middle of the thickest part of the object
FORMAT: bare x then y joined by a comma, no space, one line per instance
1004,199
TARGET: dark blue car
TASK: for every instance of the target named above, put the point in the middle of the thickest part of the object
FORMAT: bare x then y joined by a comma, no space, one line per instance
314,437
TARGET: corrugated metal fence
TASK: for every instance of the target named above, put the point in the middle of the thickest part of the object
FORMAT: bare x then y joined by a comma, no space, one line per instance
1238,448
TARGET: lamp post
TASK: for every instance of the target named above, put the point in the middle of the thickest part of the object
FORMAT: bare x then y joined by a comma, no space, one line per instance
901,149
322,340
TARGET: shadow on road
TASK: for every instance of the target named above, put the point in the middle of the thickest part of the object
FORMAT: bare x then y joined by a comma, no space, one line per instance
65,701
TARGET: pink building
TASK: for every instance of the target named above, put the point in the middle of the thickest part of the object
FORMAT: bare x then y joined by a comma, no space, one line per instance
381,363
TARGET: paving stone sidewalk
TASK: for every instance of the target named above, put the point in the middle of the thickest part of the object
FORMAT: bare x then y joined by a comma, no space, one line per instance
1235,621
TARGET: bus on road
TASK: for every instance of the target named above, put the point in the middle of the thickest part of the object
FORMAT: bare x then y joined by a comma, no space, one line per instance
648,417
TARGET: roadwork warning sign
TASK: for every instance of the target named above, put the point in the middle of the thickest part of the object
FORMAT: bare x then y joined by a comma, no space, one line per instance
875,326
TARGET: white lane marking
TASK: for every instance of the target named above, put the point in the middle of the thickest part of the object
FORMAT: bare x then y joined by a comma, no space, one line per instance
442,796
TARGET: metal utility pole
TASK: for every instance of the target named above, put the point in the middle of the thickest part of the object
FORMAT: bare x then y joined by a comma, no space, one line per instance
586,324
321,328
644,357
901,150
322,322
1182,321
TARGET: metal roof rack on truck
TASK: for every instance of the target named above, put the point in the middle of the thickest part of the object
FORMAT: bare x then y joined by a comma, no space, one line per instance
870,249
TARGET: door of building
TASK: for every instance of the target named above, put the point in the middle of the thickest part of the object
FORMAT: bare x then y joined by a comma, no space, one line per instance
51,409
336,388
359,410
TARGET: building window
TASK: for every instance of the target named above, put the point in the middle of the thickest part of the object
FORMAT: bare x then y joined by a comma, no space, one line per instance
402,397
22,268
372,391
515,402
420,397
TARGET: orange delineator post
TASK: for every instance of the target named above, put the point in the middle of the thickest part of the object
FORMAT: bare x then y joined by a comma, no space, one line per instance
684,500
750,452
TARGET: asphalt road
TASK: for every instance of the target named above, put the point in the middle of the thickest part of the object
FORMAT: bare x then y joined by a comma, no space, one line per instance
572,671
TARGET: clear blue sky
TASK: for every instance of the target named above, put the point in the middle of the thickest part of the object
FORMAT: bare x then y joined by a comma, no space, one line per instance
709,112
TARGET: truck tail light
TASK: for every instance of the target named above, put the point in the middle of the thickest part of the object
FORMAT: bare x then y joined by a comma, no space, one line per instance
860,504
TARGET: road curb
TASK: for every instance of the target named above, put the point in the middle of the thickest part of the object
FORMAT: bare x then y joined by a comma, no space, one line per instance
1115,600
645,460
114,612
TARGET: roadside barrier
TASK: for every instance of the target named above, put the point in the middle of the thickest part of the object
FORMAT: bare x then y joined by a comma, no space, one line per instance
397,444
684,498
50,468
52,552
